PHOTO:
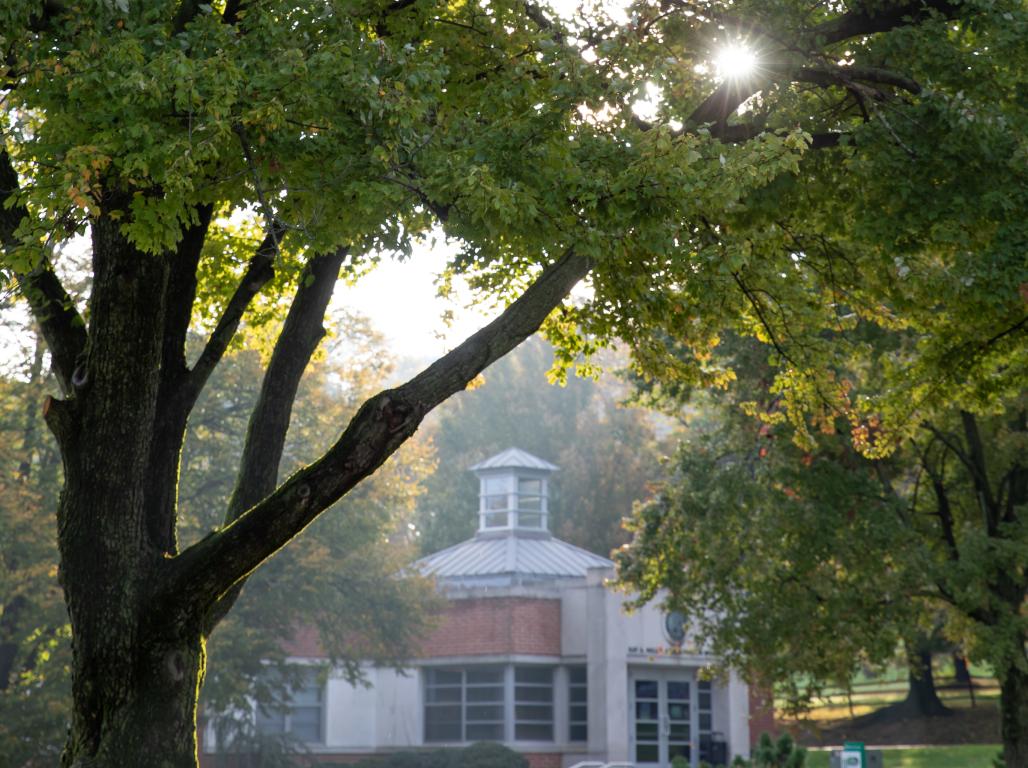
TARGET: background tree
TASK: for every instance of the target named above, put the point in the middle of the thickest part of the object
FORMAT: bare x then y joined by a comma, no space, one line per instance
342,584
801,562
608,455
34,650
346,130
345,583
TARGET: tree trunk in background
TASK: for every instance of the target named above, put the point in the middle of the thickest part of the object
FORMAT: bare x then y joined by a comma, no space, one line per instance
1013,701
922,698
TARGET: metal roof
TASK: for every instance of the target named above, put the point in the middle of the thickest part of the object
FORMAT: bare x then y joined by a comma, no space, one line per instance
514,458
510,558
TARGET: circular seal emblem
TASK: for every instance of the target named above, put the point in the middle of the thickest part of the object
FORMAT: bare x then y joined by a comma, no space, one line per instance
674,627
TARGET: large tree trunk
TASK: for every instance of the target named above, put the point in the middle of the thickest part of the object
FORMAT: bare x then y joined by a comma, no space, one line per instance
922,698
135,668
1013,701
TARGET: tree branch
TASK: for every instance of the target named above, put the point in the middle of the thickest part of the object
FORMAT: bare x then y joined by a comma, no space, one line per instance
208,569
847,76
942,509
187,11
874,19
54,310
729,96
259,271
979,472
172,410
180,294
269,422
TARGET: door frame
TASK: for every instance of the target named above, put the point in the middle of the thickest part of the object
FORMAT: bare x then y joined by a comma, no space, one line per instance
662,675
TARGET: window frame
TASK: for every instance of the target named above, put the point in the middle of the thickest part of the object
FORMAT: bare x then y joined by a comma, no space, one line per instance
284,707
523,687
582,704
500,501
556,702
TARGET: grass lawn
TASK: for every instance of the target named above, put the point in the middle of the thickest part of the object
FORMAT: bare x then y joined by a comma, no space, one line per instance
963,756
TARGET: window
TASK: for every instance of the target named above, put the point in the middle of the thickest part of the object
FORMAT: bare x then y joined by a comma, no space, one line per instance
471,704
297,713
495,501
530,502
510,501
533,703
578,707
464,704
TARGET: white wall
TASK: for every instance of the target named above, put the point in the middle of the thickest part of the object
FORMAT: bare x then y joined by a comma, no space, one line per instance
386,714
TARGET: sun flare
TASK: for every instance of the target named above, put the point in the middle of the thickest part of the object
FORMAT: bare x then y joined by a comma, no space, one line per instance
735,61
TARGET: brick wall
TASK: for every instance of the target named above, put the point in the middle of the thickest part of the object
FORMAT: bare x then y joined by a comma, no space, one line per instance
762,714
304,643
543,759
499,625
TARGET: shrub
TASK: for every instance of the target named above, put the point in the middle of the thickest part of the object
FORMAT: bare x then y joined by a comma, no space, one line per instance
488,755
774,754
480,755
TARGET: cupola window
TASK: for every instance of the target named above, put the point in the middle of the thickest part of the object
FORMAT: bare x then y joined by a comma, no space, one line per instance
513,491
530,502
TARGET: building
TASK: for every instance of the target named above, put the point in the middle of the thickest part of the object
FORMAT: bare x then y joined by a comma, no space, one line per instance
533,650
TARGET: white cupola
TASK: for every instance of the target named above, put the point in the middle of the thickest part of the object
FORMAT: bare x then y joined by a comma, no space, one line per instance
513,492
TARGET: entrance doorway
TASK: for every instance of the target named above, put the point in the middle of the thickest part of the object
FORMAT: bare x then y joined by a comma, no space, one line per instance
671,715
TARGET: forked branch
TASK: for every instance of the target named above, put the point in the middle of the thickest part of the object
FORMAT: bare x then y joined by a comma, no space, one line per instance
208,569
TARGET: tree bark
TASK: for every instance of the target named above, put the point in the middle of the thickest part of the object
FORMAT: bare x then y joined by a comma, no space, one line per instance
134,673
1013,701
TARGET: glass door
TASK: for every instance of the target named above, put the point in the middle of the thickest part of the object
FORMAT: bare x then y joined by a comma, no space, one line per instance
678,718
663,711
647,729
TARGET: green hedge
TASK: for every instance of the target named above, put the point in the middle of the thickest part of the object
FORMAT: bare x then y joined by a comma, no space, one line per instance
481,755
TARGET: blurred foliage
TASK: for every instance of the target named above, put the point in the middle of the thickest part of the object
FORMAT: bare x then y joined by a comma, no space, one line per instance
35,654
799,563
346,581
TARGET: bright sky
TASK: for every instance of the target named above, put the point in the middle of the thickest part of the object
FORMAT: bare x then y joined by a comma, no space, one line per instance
401,301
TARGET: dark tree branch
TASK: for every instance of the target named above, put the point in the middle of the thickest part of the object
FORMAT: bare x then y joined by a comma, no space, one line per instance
54,310
398,5
847,76
61,323
943,510
729,96
301,333
544,22
952,445
208,569
1016,478
172,410
187,11
48,11
874,19
180,294
258,273
231,14
979,472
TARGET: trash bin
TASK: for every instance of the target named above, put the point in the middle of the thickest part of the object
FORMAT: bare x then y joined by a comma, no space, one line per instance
854,755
